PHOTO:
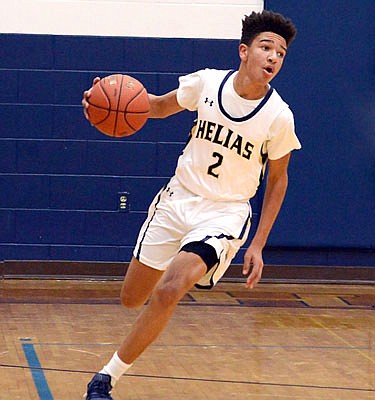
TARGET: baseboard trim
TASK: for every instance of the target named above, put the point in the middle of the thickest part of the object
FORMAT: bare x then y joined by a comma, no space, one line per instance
116,271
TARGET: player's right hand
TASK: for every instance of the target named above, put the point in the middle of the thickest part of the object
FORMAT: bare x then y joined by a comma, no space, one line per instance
86,96
253,265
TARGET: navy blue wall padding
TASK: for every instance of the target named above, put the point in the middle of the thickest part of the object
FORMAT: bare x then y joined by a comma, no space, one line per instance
8,226
60,178
329,80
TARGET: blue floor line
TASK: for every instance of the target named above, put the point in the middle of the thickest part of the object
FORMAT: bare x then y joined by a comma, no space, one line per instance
39,378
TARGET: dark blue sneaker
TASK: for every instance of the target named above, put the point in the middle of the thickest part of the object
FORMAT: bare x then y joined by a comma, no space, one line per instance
99,388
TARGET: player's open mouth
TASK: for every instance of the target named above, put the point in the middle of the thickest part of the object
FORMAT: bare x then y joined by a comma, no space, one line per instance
269,70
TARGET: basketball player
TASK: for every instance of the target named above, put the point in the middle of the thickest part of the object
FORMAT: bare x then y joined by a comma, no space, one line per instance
201,218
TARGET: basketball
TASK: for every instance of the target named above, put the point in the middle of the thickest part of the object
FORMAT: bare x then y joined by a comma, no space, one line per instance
118,105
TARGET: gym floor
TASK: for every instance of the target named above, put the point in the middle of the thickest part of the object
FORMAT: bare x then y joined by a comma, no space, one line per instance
278,341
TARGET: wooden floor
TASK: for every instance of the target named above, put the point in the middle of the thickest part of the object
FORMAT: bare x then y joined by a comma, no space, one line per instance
279,341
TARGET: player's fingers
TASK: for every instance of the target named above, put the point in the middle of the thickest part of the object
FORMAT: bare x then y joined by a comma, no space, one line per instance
87,94
255,275
246,264
245,268
252,280
85,105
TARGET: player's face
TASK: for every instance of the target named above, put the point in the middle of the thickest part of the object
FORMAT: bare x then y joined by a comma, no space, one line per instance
264,57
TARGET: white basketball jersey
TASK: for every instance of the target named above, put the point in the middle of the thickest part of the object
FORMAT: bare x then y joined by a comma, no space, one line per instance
233,137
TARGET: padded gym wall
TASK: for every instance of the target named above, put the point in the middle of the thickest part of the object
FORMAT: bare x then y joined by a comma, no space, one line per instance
61,180
329,81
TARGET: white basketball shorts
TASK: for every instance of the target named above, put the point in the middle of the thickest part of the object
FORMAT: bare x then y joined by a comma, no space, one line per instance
177,217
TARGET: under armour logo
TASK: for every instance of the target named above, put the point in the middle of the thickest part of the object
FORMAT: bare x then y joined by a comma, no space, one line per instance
210,102
169,191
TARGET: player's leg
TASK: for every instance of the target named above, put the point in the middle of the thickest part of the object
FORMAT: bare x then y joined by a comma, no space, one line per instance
185,270
139,282
158,246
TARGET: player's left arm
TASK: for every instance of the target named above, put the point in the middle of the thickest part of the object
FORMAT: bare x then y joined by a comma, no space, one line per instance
277,183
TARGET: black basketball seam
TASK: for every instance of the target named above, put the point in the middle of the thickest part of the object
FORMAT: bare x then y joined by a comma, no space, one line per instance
101,108
126,108
106,95
126,112
117,108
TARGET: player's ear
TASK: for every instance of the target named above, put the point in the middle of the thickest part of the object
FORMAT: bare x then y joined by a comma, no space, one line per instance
243,52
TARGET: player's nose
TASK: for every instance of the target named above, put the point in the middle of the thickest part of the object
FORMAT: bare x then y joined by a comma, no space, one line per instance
271,57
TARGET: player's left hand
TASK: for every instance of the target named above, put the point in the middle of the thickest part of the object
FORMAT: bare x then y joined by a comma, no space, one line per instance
253,261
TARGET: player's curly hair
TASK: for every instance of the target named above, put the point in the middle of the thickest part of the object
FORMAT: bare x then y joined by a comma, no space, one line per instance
267,21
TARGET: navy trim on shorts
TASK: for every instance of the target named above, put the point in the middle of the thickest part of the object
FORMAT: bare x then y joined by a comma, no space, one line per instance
245,224
229,237
149,222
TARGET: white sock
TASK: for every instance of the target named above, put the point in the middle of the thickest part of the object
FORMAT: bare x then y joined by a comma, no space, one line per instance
115,368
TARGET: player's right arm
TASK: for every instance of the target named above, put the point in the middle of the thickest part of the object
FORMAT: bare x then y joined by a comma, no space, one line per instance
165,105
160,106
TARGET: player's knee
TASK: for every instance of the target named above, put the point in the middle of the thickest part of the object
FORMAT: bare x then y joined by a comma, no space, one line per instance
167,295
130,301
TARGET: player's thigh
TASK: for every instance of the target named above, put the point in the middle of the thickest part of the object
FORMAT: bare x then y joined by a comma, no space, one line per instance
139,283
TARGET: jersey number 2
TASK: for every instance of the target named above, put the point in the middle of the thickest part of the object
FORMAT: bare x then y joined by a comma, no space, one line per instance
217,164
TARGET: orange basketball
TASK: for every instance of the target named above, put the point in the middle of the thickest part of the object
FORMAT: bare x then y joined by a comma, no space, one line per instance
118,105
